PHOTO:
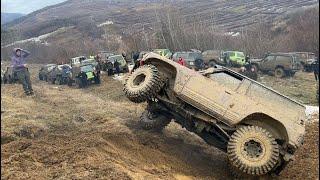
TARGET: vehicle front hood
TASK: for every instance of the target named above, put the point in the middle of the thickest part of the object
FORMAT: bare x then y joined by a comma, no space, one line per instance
255,60
310,61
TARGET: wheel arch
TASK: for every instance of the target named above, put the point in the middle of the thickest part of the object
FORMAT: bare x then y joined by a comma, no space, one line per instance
279,66
265,121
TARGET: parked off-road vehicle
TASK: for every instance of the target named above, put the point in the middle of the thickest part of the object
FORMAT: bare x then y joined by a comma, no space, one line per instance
45,70
83,75
103,57
10,76
234,58
60,74
163,52
123,63
224,58
259,128
279,64
212,58
193,59
76,61
306,60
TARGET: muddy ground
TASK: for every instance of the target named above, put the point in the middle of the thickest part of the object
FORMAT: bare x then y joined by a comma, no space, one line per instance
93,133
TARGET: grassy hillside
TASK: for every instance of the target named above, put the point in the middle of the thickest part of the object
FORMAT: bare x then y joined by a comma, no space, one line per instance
8,17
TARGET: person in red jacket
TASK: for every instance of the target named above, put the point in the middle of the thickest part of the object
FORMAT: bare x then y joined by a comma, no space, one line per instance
182,61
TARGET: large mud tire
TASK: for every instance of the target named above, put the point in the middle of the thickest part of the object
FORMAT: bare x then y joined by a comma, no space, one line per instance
143,84
253,151
153,121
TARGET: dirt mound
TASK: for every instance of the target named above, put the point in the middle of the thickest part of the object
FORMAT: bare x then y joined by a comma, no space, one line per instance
93,133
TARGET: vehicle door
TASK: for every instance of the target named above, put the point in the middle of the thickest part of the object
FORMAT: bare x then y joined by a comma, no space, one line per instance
213,93
268,63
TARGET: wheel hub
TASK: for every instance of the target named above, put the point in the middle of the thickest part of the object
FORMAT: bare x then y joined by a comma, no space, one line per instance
253,149
139,79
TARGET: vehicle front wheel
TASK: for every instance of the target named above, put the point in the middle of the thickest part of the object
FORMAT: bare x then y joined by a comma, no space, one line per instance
253,151
79,83
143,84
59,79
279,72
150,120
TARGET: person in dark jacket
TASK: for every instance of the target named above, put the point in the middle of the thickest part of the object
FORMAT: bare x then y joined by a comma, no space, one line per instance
109,68
117,67
18,63
315,68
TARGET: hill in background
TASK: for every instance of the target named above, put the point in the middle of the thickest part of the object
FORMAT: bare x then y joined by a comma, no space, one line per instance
83,27
8,17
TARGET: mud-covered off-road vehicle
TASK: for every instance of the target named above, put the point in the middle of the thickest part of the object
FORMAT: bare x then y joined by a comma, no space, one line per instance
306,60
259,128
193,60
10,76
45,70
83,75
60,74
279,64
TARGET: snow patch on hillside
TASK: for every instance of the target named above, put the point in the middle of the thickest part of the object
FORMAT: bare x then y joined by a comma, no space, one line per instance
105,23
39,39
311,111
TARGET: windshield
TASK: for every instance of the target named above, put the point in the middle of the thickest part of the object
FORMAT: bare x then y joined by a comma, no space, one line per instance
195,56
119,58
86,68
312,56
240,54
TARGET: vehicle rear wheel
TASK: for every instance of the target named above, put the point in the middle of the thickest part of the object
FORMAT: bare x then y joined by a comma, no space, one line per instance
152,120
59,80
69,82
255,67
279,72
143,84
253,150
212,64
53,80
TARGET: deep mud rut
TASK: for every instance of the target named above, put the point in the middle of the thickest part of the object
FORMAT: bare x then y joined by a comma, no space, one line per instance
93,133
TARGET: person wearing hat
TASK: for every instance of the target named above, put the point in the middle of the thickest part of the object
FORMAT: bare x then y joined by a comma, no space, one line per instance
18,63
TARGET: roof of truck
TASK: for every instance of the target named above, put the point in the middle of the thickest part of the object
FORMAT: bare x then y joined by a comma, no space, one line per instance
238,74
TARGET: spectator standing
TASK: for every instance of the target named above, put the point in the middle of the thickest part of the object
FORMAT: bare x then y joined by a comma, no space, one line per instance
18,62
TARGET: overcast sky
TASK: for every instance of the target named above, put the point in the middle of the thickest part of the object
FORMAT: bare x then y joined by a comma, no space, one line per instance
25,6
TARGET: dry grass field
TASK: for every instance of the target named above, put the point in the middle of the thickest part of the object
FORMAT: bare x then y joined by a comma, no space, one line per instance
93,133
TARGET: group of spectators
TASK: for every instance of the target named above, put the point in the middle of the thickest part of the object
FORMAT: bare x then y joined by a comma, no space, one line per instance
18,61
108,66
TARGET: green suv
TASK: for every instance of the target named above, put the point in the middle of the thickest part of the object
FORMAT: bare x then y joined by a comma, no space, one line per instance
84,75
234,58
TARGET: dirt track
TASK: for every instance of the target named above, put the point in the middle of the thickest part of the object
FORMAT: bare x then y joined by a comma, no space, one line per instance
68,133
